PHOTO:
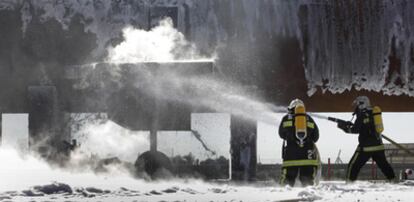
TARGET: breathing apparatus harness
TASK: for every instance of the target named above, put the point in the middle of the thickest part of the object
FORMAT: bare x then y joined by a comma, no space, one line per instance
300,125
376,118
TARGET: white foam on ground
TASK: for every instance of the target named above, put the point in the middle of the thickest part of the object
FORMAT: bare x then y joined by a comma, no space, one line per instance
19,173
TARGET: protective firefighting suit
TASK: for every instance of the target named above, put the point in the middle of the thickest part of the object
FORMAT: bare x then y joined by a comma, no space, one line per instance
370,145
299,157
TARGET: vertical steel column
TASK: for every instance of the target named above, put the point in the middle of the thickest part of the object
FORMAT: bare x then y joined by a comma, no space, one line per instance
243,148
153,140
1,137
329,169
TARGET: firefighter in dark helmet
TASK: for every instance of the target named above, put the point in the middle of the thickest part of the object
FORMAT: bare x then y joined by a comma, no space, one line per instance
368,125
300,157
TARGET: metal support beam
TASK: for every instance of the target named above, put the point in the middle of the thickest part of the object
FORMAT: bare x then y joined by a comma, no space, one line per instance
1,129
42,116
243,149
153,140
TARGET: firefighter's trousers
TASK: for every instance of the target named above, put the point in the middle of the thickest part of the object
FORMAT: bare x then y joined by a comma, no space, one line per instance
306,175
359,159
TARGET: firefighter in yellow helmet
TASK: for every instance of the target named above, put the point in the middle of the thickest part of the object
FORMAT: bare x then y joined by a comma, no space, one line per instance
299,133
368,125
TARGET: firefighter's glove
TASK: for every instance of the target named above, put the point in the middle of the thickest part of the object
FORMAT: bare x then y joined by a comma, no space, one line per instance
345,126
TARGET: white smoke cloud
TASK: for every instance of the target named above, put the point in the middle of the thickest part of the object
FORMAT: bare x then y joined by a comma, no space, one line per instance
20,172
23,171
106,139
166,44
163,43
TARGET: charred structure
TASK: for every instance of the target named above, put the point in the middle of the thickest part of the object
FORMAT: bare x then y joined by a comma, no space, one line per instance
270,47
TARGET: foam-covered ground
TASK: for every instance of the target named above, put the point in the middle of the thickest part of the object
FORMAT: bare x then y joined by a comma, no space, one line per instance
201,191
28,178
